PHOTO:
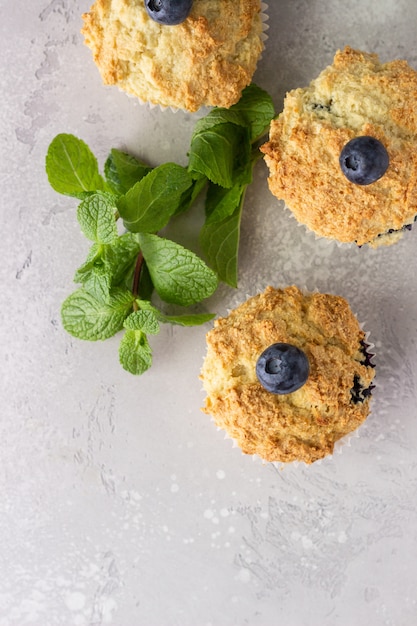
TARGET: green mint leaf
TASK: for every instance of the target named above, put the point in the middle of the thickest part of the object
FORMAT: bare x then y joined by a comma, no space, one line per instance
217,116
109,265
150,203
86,317
196,319
190,195
144,320
98,283
220,235
192,319
222,203
72,168
257,110
96,217
135,353
94,256
179,276
120,257
220,152
123,170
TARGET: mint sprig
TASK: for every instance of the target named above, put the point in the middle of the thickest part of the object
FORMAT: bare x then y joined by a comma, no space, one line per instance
122,271
229,172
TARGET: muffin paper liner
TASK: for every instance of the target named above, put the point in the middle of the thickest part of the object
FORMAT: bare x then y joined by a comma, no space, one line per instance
393,237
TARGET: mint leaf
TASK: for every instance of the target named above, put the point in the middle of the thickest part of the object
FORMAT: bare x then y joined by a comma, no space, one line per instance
216,116
94,257
221,203
96,217
256,108
196,319
220,152
120,257
135,353
86,317
220,235
98,283
146,321
190,195
191,319
123,170
179,275
149,204
108,266
72,168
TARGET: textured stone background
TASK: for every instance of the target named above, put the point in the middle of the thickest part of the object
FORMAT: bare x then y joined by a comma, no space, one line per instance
121,503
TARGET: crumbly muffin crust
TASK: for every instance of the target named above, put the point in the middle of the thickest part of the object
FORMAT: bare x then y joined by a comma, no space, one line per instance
356,95
305,424
206,60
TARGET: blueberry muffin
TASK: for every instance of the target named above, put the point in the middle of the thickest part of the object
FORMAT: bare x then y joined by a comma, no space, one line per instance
206,57
287,374
343,153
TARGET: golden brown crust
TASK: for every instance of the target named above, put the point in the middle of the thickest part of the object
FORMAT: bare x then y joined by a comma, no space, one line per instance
206,60
357,95
305,424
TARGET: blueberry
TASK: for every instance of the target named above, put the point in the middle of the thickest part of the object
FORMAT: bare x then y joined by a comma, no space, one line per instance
282,368
169,12
364,160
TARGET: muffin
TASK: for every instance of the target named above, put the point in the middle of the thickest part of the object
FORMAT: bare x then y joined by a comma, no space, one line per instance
371,104
317,405
206,60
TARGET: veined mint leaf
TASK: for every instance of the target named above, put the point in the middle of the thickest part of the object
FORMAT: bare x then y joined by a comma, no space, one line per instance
96,217
72,168
135,353
190,195
220,152
108,266
256,108
123,170
145,320
94,257
191,319
86,317
149,204
120,256
220,235
98,283
179,276
216,116
221,203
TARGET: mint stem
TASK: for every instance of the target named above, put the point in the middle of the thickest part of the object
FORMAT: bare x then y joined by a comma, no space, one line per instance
136,276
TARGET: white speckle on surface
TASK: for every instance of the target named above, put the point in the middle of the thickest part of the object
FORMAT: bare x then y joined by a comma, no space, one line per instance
174,488
244,575
208,513
75,601
221,474
307,542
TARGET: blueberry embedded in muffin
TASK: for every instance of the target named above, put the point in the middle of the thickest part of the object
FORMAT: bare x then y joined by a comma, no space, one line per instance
343,152
324,401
